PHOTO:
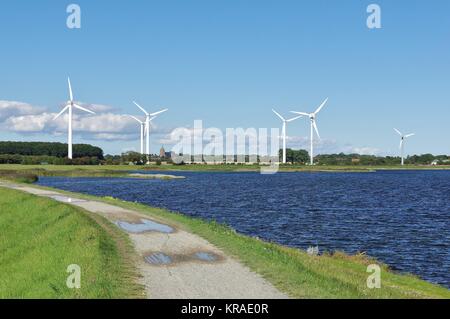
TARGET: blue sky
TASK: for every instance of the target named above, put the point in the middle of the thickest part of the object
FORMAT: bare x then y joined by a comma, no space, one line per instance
228,63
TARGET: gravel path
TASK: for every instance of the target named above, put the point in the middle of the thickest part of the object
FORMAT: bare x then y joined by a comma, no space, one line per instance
174,263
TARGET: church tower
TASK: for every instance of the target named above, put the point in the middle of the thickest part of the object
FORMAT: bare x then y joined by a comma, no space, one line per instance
162,152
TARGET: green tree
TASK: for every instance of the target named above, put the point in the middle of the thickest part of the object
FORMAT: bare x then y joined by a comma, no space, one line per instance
295,156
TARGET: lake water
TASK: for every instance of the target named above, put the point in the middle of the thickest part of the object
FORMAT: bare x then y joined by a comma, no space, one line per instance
400,217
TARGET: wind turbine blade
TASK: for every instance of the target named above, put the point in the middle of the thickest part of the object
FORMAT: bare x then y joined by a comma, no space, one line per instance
409,135
399,133
142,109
159,112
135,118
60,113
295,118
316,129
301,113
321,106
70,89
83,109
278,114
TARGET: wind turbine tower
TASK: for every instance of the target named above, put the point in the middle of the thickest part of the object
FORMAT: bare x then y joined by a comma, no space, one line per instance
402,143
283,131
148,118
312,117
143,131
69,107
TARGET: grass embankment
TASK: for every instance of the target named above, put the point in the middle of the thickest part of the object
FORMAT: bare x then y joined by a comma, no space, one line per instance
291,270
70,171
18,176
40,238
123,170
292,168
30,174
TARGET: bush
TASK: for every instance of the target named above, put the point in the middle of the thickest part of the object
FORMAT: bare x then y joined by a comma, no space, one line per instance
10,159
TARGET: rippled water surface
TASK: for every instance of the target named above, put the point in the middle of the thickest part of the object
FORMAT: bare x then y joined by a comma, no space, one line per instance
400,217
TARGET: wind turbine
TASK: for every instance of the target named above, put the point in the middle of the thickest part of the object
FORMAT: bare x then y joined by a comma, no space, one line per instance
402,143
70,105
312,117
148,118
283,131
143,131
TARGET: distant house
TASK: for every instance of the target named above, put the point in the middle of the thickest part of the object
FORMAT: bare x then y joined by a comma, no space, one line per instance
439,162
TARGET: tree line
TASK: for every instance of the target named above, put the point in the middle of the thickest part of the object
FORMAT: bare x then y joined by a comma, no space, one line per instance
302,157
299,157
357,159
84,154
57,150
51,160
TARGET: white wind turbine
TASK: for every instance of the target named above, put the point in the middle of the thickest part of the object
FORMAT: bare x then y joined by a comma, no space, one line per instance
402,143
148,118
143,131
283,131
70,105
312,117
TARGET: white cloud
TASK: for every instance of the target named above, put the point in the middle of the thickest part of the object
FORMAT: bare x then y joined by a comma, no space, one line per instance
23,118
14,108
329,146
98,108
112,137
28,123
107,125
363,150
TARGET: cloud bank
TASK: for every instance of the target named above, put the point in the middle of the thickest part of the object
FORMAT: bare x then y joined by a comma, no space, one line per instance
107,125
24,118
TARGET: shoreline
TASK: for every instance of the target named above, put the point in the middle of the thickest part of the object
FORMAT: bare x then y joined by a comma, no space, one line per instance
161,170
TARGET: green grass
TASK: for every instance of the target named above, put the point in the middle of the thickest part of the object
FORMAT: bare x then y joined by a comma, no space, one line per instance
292,168
40,238
122,170
69,167
291,270
71,171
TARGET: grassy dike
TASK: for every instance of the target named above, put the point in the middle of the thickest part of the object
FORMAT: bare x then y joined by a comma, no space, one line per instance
40,238
122,170
291,270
